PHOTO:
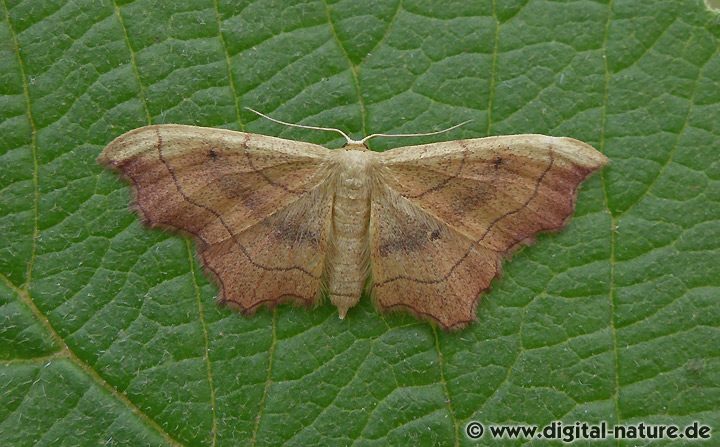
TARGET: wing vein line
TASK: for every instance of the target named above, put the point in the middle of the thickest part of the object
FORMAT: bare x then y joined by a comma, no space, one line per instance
219,217
447,179
487,231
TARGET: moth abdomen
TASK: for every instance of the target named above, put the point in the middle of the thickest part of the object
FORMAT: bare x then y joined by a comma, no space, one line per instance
348,259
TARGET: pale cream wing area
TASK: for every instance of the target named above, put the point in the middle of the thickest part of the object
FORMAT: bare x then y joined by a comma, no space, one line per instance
443,215
257,206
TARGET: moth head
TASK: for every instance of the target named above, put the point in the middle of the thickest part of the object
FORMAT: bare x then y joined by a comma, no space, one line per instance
355,146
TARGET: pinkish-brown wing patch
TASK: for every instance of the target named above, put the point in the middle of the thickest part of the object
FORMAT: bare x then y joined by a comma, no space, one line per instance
421,265
498,191
489,194
254,204
280,258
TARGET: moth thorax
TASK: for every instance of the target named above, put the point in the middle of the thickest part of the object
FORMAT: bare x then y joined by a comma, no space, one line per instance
353,173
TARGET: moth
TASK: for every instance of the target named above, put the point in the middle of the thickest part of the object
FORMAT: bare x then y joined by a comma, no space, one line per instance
423,228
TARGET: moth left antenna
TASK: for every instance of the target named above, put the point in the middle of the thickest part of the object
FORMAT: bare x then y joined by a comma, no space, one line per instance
302,126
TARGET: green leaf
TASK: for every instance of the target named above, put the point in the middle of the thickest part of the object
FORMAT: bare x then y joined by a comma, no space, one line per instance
109,331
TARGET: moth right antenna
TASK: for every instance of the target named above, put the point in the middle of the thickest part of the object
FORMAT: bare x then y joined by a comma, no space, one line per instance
413,134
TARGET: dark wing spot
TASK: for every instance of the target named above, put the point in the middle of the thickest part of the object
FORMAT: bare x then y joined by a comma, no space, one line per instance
498,162
415,238
472,197
236,186
294,234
